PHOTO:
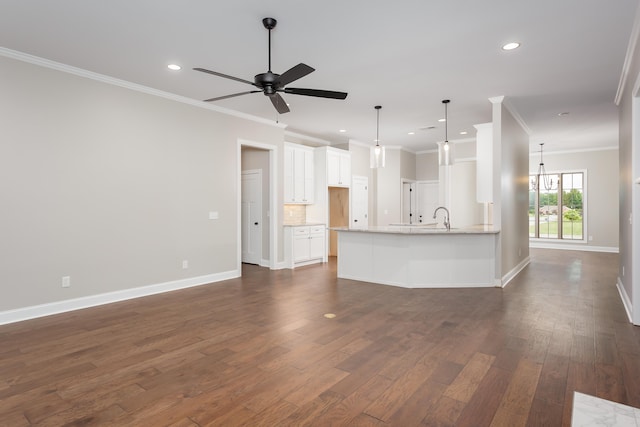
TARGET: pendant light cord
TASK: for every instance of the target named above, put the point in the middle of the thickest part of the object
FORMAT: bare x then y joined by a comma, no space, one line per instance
378,107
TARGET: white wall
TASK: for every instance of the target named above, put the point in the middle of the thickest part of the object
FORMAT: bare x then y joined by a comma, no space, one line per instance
601,207
112,186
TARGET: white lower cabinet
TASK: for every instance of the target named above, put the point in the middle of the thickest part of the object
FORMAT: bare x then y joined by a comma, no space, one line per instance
304,244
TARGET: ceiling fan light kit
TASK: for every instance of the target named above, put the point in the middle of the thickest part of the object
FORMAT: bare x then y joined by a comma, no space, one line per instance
272,84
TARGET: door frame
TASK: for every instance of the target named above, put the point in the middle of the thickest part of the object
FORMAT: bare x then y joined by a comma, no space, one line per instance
404,181
272,197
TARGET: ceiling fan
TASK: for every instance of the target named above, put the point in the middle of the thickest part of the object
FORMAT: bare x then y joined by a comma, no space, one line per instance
272,84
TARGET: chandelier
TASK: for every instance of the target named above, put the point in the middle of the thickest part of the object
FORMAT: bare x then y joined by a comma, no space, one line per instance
542,180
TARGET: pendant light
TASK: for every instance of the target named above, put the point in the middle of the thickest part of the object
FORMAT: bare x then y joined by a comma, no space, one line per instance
377,152
547,181
445,149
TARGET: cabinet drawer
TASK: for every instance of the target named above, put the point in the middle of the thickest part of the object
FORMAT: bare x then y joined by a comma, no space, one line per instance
317,229
301,231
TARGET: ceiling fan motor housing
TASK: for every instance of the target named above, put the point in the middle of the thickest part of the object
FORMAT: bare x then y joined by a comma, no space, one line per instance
268,81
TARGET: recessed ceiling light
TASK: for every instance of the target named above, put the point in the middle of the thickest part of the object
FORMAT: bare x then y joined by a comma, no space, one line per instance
412,133
342,130
174,67
464,132
511,46
565,113
442,120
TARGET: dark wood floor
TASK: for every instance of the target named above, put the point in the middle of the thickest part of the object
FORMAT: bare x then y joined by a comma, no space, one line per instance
259,351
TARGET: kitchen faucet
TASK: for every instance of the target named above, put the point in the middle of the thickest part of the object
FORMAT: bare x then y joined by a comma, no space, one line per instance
446,216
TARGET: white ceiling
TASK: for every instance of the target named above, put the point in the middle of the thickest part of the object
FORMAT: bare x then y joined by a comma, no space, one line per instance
406,56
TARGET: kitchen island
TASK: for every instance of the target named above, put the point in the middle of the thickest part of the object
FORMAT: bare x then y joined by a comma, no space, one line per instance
419,256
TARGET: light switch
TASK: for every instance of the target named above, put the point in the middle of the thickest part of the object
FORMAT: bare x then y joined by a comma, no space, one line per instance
213,215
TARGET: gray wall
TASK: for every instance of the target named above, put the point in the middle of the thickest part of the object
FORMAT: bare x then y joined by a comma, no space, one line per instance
629,107
602,174
511,191
112,186
388,184
427,168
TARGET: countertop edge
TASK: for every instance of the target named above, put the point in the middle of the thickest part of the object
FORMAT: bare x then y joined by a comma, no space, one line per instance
416,231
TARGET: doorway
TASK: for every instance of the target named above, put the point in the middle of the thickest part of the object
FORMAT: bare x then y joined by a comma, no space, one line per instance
253,156
338,215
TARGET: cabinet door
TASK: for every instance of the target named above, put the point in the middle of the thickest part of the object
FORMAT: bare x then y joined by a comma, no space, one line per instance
289,196
299,175
345,169
309,182
333,168
316,245
300,248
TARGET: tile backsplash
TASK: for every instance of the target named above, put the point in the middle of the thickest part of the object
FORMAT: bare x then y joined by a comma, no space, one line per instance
295,214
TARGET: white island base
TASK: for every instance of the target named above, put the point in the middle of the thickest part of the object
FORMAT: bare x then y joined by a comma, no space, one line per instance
419,258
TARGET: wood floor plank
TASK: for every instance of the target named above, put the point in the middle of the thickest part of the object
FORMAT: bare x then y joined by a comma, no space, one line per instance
466,383
258,350
516,402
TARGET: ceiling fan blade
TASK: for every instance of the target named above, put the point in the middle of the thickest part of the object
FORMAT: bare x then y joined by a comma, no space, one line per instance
231,96
316,92
295,73
215,73
279,103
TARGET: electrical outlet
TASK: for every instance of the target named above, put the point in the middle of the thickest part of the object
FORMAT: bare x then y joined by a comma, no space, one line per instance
590,238
66,281
185,264
214,215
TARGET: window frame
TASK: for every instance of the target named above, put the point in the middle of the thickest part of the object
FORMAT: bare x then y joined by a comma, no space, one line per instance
560,239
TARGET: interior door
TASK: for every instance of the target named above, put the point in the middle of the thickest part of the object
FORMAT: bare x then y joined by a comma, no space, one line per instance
252,216
360,202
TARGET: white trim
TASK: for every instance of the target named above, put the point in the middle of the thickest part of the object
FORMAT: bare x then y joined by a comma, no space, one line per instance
626,301
434,151
578,246
628,59
509,106
577,150
24,57
32,312
360,144
307,137
513,273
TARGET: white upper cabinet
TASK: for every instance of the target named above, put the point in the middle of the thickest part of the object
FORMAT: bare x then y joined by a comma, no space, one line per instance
338,168
298,174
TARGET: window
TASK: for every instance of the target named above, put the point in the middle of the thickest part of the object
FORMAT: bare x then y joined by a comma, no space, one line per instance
556,208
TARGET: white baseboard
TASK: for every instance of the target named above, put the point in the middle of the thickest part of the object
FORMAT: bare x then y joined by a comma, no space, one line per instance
514,271
32,312
626,301
572,247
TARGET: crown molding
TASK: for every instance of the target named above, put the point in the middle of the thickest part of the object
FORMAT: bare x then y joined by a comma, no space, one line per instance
577,150
46,63
306,137
628,59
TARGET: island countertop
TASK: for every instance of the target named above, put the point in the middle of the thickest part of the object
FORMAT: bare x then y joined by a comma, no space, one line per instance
422,229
